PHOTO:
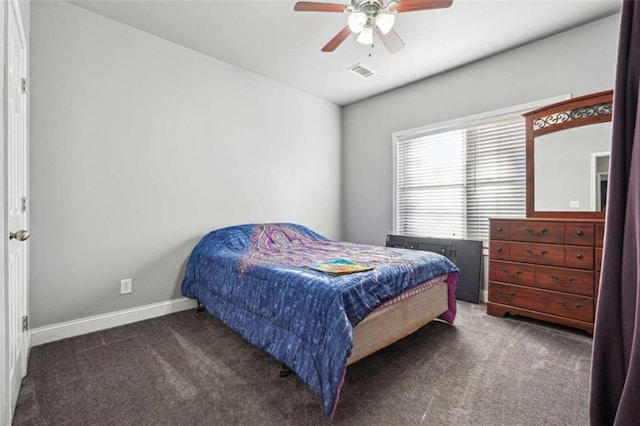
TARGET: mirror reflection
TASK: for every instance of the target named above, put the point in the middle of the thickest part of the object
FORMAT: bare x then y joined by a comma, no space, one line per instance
571,169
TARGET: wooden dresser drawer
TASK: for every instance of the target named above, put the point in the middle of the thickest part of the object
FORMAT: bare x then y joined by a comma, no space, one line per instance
579,234
563,279
542,254
578,257
545,301
499,250
537,232
499,230
508,272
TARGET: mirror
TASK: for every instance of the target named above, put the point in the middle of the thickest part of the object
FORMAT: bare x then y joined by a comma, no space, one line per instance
569,168
568,147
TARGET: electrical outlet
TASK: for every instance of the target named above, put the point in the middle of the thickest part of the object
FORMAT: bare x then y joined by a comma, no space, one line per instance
126,286
574,204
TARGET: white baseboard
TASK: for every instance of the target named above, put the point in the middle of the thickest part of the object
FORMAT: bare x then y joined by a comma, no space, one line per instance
63,330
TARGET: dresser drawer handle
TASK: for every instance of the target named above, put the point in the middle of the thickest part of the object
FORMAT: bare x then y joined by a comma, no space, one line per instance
511,275
541,233
508,296
570,280
499,249
569,308
579,233
579,256
499,228
532,254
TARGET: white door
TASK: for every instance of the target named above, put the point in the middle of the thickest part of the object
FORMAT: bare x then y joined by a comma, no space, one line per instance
15,190
5,418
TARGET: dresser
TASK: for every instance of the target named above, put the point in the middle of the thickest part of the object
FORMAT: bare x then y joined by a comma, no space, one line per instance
547,269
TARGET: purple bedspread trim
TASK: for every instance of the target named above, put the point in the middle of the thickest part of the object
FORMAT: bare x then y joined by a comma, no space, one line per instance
452,282
339,390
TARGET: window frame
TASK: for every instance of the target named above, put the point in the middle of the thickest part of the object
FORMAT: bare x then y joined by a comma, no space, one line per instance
456,124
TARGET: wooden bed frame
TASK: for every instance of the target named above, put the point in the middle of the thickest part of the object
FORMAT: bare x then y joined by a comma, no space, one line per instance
391,322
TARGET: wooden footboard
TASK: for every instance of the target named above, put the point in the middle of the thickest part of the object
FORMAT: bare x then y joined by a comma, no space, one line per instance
388,324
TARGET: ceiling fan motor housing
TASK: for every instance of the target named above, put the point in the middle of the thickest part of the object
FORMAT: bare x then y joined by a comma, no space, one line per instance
370,7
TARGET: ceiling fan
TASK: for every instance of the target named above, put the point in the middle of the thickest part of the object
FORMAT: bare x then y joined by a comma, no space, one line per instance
367,16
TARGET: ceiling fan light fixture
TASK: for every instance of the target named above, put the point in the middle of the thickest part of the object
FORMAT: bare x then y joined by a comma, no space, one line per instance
364,16
357,21
366,35
385,21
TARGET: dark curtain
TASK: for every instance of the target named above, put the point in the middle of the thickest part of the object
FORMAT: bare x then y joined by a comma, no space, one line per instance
615,368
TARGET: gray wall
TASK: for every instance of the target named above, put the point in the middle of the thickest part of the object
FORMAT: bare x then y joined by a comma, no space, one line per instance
580,61
139,147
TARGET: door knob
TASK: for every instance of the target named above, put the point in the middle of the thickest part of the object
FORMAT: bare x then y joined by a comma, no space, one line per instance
21,235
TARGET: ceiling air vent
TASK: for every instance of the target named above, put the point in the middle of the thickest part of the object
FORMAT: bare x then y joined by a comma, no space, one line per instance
361,70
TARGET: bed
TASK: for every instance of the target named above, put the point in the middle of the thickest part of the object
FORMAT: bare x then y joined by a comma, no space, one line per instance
256,279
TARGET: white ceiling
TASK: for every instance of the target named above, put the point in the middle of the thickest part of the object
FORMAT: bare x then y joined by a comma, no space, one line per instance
270,39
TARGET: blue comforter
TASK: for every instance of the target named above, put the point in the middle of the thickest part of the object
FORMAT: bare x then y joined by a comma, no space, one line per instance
253,277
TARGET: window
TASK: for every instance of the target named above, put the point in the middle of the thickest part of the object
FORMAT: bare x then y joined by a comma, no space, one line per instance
430,185
452,177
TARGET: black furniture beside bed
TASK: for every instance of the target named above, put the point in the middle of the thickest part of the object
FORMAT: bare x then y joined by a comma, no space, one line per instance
466,254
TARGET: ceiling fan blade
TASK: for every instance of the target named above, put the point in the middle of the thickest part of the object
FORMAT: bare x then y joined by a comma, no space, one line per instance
391,40
415,5
307,6
337,40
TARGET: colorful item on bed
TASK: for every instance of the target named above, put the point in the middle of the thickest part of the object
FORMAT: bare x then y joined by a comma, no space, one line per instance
339,267
253,277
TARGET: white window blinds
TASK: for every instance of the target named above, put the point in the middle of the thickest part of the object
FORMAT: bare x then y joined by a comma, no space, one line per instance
496,173
451,178
430,185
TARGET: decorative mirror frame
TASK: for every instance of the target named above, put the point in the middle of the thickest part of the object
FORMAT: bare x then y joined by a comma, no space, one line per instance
581,111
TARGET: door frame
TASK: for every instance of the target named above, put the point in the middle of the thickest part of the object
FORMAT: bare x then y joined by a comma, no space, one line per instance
593,179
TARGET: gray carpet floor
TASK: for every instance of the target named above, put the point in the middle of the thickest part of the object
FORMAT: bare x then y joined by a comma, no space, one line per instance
188,368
